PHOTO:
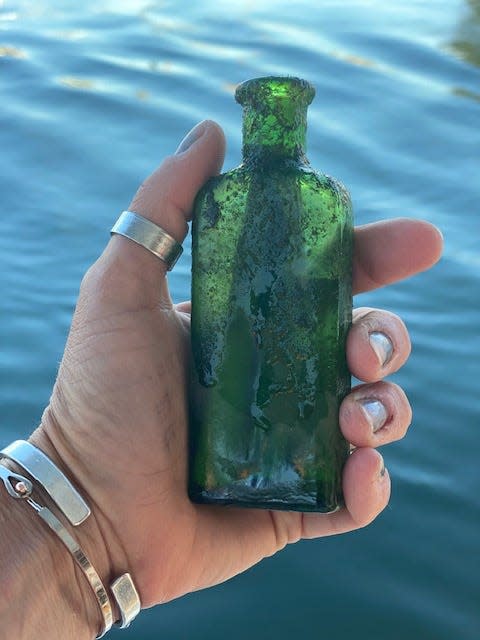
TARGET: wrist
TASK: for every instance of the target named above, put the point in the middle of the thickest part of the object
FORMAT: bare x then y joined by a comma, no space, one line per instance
94,535
87,560
41,594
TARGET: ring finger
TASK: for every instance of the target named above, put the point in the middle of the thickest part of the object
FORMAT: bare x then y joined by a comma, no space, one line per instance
375,414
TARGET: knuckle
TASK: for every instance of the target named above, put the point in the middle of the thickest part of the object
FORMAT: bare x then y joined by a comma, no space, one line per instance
100,284
286,528
90,279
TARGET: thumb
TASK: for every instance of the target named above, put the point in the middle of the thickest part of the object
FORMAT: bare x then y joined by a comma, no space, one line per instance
166,198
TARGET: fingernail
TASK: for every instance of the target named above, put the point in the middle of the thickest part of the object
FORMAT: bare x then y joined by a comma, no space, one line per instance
383,347
375,411
191,137
382,470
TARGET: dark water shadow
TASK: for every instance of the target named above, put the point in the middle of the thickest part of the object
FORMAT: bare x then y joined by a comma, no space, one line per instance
466,42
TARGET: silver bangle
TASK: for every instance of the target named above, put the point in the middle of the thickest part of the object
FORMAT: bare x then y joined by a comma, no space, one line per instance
49,476
20,487
73,506
127,599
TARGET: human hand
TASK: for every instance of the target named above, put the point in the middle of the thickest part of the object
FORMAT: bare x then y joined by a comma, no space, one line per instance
117,419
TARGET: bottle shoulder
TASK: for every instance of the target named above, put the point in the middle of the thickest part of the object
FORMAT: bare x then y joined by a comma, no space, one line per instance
230,190
326,186
222,193
310,179
239,174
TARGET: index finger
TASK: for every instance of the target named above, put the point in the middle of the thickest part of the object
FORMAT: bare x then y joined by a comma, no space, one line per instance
392,250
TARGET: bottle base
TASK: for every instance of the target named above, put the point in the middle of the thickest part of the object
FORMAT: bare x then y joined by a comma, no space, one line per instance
262,503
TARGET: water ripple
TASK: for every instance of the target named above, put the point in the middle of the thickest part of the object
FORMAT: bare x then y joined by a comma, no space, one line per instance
99,92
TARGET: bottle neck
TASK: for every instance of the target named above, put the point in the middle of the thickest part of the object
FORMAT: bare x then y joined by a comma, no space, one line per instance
274,132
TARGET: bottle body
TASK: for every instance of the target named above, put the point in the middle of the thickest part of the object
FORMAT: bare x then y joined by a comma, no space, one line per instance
271,307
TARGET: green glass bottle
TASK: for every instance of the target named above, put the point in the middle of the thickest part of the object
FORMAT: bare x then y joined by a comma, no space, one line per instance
271,306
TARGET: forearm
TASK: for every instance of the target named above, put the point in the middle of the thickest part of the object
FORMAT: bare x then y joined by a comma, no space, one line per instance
41,591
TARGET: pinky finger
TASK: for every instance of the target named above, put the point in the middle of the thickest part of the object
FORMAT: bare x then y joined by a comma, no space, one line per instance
366,487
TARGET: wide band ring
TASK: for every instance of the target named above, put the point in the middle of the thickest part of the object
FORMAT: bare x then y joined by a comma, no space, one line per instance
149,235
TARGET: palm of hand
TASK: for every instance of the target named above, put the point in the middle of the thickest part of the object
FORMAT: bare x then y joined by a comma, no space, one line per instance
122,392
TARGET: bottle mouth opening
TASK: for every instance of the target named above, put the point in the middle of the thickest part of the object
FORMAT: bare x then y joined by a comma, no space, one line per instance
272,89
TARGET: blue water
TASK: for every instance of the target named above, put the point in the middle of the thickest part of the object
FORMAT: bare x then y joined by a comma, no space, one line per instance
94,94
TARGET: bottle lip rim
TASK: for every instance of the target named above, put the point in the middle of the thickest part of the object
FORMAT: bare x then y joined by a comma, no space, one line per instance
260,89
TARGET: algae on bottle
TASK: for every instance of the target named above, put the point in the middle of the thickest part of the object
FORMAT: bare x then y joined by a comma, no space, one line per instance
271,306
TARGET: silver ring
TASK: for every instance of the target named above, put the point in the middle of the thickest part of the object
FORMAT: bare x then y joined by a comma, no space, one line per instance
149,235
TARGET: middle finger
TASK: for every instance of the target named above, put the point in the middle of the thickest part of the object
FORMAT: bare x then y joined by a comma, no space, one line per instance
377,344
